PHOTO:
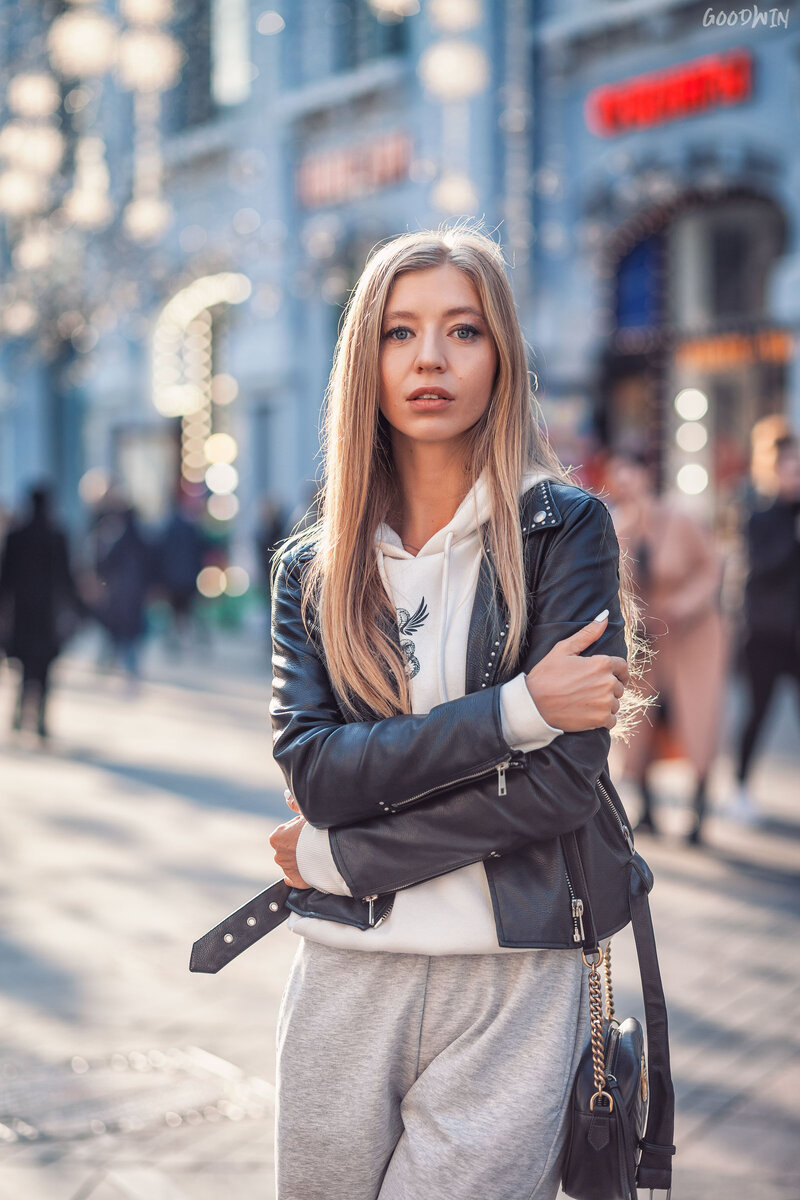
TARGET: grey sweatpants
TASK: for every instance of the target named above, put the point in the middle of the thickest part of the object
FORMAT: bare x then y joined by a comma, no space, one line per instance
409,1077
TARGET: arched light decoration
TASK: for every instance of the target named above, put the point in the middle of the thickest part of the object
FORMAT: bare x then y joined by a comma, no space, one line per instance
148,60
237,581
35,250
19,318
692,479
454,192
184,384
146,12
147,218
454,69
33,94
394,10
21,193
88,204
36,148
691,404
220,448
691,436
454,16
80,42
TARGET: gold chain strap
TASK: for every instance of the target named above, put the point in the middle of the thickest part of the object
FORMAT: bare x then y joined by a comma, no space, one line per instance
596,1026
609,988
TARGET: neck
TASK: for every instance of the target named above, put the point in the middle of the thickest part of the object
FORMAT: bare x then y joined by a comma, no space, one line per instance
432,482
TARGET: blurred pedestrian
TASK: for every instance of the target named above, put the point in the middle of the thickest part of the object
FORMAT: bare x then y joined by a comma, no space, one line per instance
677,573
771,646
270,529
39,596
126,570
765,437
179,560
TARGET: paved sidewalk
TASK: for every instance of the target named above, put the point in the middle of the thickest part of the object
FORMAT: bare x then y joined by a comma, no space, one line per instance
123,1077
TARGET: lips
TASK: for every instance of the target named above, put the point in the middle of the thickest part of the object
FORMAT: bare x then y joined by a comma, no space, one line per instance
430,392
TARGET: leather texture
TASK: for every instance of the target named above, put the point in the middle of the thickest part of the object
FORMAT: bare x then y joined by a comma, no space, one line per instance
240,929
396,793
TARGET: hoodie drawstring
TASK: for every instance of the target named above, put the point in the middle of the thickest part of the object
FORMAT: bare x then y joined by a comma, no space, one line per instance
448,543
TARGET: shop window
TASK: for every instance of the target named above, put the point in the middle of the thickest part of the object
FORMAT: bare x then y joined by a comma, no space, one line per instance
192,101
638,286
359,37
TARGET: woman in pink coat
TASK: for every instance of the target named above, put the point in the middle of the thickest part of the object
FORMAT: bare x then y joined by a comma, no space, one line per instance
677,572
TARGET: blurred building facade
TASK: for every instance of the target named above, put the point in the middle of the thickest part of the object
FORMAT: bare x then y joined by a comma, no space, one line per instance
640,164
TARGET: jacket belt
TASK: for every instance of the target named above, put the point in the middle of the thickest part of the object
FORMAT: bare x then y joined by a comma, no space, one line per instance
241,929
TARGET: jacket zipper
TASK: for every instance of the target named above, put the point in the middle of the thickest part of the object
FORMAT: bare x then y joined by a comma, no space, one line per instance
576,905
370,900
502,790
626,833
486,769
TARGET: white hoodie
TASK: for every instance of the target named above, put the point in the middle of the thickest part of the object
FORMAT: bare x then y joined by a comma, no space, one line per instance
433,594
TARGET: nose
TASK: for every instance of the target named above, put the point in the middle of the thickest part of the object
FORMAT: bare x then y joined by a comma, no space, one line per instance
430,352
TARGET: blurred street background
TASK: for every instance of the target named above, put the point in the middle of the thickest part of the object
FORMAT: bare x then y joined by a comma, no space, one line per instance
189,190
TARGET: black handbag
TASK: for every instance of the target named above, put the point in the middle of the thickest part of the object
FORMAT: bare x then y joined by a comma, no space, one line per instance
622,1103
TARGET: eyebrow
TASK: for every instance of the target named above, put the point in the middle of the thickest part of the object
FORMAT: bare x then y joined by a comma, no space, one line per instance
451,312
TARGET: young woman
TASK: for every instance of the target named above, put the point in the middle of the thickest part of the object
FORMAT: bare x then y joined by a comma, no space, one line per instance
448,660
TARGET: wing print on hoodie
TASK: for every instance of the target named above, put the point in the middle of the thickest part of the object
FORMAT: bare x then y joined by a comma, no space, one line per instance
410,624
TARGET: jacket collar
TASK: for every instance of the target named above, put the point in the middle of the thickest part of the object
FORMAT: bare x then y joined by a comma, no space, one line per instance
488,626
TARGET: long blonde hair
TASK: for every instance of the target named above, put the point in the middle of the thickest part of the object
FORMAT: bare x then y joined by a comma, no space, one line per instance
360,487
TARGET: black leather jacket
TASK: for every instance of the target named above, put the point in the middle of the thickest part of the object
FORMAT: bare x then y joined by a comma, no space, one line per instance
411,797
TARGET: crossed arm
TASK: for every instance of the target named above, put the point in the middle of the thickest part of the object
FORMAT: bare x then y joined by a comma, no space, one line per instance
373,852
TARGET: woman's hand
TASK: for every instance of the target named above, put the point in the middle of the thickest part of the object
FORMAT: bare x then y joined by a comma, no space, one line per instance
575,693
284,842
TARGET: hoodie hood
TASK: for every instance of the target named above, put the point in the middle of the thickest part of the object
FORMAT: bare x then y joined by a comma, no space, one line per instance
430,591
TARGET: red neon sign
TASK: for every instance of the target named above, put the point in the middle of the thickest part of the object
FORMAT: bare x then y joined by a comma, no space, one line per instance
670,95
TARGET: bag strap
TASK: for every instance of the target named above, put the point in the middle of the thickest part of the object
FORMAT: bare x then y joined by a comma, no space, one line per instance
655,1165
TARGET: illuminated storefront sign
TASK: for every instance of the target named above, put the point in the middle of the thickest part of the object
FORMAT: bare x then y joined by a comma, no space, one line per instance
682,91
735,350
347,172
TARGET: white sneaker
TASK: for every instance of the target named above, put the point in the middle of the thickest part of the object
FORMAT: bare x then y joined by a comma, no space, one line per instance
742,807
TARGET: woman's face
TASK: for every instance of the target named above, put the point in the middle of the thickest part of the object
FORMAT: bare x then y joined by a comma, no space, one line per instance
435,340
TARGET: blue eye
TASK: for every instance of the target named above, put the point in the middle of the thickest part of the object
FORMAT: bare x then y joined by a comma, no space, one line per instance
397,329
468,329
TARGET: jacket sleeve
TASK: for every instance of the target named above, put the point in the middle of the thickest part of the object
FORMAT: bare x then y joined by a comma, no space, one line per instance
341,771
557,790
524,728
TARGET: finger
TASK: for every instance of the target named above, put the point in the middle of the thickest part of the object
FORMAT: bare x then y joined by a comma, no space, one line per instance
584,638
619,668
619,689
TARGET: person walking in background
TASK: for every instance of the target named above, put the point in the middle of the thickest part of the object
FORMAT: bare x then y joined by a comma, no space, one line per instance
765,437
126,571
677,573
39,596
270,529
179,560
771,644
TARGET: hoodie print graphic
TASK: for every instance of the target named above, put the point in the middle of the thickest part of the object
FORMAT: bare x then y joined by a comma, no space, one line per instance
410,624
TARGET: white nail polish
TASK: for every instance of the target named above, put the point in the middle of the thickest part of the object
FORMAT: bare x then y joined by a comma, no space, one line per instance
286,793
601,616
